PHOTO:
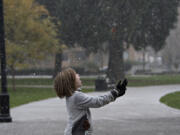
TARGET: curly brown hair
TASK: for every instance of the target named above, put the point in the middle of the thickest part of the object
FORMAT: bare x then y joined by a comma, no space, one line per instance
65,83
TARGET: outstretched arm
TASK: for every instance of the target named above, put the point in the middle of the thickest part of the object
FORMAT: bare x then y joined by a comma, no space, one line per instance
85,101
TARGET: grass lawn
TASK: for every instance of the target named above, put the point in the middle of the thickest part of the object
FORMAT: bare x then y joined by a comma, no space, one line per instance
133,81
154,80
32,81
172,99
46,81
27,95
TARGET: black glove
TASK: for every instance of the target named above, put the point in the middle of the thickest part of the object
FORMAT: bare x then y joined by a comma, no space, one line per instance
120,89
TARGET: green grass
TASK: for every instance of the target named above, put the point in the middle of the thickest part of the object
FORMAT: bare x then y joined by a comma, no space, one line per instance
87,90
32,81
27,95
133,81
144,81
88,81
172,99
46,81
154,80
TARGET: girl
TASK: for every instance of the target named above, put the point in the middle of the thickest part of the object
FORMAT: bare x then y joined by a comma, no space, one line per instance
67,84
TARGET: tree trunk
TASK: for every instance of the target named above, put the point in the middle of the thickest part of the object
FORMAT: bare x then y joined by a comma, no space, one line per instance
144,63
58,63
116,64
13,79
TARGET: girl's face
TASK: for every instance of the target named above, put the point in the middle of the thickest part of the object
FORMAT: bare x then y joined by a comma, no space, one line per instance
78,81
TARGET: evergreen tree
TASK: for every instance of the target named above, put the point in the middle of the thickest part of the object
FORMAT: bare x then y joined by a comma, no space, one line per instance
141,23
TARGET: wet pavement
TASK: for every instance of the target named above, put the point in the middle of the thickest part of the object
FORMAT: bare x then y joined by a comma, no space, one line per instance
139,112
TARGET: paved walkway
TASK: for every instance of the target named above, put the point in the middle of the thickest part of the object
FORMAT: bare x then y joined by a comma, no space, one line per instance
46,86
139,112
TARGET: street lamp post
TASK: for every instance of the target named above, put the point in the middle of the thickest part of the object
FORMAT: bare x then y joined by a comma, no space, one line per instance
4,96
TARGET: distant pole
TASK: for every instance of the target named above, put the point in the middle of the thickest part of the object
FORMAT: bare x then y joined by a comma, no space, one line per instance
4,96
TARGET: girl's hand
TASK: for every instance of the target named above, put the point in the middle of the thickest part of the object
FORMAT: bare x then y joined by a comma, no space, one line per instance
120,89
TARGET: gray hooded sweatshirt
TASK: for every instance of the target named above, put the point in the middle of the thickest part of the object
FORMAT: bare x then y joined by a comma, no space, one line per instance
78,105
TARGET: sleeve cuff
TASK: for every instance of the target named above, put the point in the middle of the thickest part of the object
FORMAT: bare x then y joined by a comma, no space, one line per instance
115,93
